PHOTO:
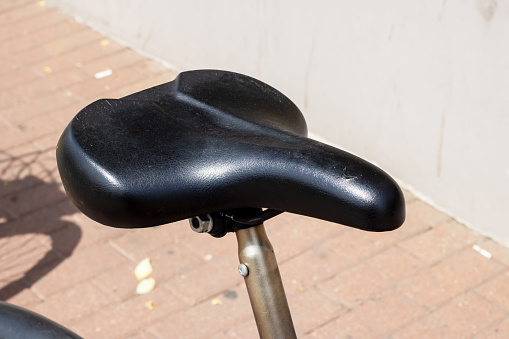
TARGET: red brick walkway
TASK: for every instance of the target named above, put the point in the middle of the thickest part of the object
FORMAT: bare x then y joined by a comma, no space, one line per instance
433,278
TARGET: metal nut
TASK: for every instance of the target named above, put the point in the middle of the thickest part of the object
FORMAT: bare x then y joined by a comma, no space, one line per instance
201,223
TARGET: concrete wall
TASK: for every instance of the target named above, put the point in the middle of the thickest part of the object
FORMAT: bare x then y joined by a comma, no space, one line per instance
419,87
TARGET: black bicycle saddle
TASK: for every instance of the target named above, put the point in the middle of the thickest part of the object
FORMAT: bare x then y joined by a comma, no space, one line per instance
211,141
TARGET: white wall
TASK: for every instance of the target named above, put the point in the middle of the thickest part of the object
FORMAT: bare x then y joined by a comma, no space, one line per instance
419,87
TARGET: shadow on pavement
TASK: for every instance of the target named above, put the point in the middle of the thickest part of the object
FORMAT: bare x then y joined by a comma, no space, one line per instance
35,234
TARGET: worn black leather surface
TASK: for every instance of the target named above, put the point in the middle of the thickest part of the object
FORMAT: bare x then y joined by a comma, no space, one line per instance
211,141
19,323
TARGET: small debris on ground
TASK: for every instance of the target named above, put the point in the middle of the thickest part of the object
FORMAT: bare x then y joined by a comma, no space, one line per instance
143,269
145,286
150,305
103,74
482,251
231,294
216,302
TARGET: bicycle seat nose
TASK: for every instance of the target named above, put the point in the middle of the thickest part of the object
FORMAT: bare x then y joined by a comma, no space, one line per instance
212,141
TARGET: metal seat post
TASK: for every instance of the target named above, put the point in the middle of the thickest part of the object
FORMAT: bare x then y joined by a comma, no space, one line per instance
261,274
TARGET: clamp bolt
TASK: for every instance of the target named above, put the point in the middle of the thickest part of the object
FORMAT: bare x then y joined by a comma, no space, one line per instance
243,270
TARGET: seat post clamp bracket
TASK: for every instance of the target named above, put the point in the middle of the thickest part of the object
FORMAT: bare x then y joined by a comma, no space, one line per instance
217,224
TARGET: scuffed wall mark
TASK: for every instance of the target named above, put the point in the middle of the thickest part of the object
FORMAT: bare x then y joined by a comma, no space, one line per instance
149,36
442,11
308,71
442,125
395,90
391,30
441,145
487,8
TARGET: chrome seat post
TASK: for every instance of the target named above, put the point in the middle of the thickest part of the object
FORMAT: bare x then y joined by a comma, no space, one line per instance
261,274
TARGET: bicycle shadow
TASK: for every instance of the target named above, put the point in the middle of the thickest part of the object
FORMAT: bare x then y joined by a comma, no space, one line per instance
36,229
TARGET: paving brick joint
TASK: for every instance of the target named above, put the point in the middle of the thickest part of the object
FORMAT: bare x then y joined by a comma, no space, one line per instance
431,278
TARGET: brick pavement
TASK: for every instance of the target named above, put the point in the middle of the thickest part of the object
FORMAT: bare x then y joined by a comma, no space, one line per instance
427,279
